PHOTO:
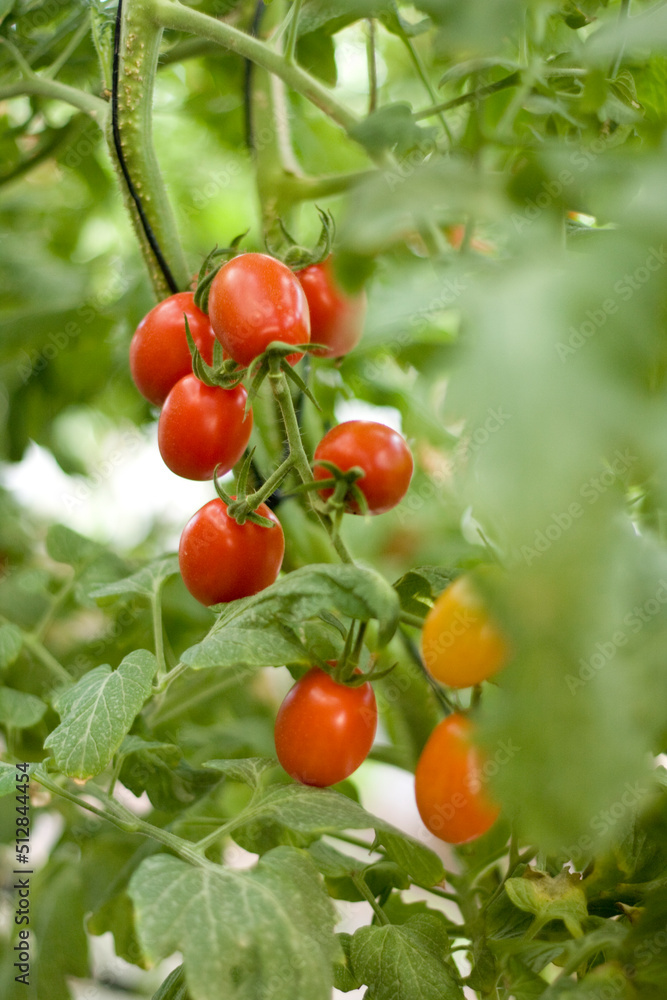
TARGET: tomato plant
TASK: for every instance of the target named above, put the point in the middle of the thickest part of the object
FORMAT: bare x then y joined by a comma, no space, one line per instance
202,427
460,645
159,353
449,784
336,319
254,300
324,729
221,560
380,452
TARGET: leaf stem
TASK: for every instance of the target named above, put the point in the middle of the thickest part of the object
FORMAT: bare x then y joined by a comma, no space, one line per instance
180,18
360,883
46,658
292,32
39,86
283,397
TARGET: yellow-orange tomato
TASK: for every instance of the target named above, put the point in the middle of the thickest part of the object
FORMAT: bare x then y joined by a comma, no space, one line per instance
448,784
460,646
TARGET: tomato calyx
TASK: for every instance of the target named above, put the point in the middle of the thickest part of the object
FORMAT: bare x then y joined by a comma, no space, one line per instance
223,373
344,484
295,256
210,267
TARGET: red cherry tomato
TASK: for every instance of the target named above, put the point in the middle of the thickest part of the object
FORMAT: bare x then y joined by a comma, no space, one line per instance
380,451
253,300
159,353
460,646
336,319
221,560
202,426
448,784
325,730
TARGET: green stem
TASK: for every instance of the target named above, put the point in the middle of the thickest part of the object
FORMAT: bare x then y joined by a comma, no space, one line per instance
139,50
409,619
46,658
360,883
253,500
59,599
222,831
180,18
156,611
293,32
169,677
70,48
474,95
423,76
372,67
39,86
113,812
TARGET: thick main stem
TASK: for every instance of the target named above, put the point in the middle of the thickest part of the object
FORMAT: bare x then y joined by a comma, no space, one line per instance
131,130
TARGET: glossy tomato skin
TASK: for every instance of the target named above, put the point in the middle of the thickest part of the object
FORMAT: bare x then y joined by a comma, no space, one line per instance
336,319
159,353
203,426
449,788
221,560
325,730
380,451
253,300
460,646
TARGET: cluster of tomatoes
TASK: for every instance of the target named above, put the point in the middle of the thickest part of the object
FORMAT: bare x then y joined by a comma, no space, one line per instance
326,724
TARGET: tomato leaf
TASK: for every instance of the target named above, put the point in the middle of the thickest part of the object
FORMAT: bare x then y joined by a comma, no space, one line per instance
98,712
8,783
405,962
316,811
419,587
20,709
250,770
560,898
144,583
241,933
11,644
248,633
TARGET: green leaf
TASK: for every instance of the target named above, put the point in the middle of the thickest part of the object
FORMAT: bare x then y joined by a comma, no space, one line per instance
19,709
419,587
521,981
560,898
265,630
144,583
249,770
391,127
160,770
405,962
315,811
11,644
8,783
315,52
67,546
173,988
241,933
98,712
333,15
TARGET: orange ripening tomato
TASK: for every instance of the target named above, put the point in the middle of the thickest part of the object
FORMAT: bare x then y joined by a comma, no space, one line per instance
448,784
460,646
